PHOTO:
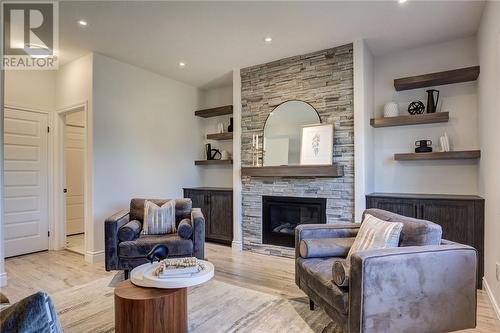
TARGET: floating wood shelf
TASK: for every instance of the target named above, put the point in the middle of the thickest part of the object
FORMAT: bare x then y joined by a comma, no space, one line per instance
220,136
330,171
436,79
426,118
214,112
213,162
449,155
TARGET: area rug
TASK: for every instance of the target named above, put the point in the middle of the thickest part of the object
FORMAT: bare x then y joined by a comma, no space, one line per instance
213,307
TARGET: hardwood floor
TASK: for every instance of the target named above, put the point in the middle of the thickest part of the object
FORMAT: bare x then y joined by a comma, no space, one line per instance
59,270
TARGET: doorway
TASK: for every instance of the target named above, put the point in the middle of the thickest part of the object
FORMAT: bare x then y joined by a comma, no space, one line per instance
74,177
71,180
26,214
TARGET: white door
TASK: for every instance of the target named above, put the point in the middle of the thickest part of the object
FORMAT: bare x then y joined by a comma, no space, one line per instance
74,156
25,182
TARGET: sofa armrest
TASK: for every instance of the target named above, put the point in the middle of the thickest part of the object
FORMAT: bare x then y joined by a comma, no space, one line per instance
198,221
429,287
111,226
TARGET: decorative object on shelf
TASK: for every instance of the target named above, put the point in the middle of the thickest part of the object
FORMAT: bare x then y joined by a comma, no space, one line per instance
220,128
423,146
230,127
416,107
431,104
391,110
255,150
445,142
212,154
158,252
225,155
317,145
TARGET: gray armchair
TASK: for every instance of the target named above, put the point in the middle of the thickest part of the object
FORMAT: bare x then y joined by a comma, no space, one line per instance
425,285
126,248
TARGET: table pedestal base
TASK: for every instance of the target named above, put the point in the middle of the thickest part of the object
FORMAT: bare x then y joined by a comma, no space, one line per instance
150,310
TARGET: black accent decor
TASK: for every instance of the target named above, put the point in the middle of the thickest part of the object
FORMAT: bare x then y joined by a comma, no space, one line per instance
159,252
280,216
416,107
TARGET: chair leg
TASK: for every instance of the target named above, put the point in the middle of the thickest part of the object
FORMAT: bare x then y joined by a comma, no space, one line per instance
125,273
311,304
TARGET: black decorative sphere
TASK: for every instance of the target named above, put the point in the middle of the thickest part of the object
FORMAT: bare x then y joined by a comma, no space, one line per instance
416,107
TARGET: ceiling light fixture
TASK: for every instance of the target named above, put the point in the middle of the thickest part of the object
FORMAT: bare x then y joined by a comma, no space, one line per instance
268,39
82,23
402,1
182,64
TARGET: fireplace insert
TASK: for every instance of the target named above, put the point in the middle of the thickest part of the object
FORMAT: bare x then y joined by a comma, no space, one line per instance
280,216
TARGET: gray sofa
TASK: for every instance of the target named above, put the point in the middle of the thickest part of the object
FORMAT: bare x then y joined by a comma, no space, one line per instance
425,285
126,248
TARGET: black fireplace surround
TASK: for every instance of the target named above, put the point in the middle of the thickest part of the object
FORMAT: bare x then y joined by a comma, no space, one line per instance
280,216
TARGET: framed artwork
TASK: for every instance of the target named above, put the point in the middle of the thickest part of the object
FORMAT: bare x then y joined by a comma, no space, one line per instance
317,145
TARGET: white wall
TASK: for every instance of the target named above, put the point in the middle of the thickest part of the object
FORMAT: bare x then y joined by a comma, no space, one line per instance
453,177
145,137
489,126
215,175
363,132
30,89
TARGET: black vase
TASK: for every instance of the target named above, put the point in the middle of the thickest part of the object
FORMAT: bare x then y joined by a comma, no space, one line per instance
230,127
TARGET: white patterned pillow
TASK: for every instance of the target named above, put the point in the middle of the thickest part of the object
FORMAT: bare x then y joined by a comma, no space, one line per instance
375,233
159,220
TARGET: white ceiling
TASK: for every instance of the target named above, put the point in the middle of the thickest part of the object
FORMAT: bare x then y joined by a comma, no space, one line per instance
212,38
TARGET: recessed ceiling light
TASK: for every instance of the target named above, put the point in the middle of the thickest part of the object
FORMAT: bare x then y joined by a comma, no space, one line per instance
268,39
182,64
82,23
402,1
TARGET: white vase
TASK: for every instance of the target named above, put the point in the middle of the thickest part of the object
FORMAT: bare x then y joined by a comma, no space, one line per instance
391,109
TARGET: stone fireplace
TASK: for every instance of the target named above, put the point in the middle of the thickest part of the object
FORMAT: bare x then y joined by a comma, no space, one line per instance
324,79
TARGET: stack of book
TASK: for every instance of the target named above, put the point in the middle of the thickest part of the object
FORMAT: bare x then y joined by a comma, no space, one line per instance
178,268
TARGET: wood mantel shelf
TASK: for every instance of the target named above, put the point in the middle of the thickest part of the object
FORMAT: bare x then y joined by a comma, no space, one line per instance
311,171
426,118
448,155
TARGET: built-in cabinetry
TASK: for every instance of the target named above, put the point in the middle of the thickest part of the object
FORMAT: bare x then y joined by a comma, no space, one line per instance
460,216
216,203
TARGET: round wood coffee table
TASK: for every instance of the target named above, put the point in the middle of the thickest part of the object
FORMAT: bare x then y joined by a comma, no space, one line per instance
149,304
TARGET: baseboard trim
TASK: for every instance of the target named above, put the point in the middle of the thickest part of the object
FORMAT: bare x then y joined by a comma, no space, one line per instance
486,287
94,256
3,279
237,245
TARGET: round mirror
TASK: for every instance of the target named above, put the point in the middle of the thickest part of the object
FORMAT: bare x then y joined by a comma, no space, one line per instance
283,132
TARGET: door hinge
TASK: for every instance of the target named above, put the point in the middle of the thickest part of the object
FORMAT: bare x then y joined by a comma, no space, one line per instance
48,233
48,129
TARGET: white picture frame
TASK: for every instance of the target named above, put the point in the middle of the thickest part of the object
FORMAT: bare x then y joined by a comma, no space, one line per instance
317,145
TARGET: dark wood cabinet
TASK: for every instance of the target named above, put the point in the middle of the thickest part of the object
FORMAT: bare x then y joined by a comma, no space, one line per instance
217,207
460,216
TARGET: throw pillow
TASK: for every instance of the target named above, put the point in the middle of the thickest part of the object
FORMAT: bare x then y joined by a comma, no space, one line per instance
185,229
375,233
159,220
129,231
340,272
325,247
